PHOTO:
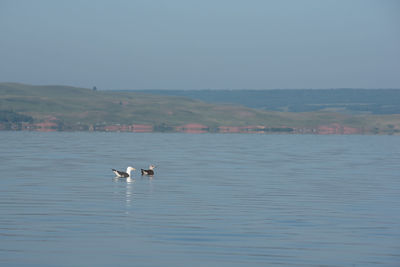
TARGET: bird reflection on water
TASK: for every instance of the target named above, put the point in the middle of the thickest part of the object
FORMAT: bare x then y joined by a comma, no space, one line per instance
127,185
128,193
128,190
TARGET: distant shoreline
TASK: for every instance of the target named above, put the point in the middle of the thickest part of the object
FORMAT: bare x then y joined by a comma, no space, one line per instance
332,129
63,108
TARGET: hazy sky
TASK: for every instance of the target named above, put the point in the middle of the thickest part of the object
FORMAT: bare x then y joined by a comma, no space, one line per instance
194,44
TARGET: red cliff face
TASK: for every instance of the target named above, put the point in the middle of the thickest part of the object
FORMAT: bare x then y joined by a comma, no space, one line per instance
142,128
51,125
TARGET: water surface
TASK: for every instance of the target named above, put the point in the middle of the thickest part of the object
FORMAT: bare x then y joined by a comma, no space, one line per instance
216,200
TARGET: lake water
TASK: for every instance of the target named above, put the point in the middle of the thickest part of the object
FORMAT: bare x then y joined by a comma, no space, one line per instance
215,200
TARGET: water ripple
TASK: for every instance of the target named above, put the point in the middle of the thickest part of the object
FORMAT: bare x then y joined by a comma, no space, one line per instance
223,200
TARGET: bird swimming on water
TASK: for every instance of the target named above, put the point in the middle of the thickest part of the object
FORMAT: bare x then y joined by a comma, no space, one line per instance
150,171
126,174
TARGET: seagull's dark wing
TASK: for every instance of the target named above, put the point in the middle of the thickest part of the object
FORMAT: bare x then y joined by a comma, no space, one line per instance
147,172
120,173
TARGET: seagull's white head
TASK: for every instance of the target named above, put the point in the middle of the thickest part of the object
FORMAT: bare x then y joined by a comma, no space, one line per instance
151,167
129,169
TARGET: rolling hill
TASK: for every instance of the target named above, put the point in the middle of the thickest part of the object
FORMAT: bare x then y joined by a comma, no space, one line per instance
72,108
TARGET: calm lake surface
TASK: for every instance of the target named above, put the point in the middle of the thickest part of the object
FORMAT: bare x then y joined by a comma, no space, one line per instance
215,200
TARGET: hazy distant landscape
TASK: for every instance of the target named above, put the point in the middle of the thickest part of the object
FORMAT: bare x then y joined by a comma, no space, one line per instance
273,126
335,111
347,100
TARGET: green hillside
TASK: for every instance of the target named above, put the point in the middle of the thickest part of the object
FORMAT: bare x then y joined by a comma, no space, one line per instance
73,106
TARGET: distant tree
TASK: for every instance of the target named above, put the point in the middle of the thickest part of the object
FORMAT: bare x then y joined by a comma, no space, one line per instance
14,117
163,128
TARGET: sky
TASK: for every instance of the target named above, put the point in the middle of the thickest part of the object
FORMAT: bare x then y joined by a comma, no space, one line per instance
201,44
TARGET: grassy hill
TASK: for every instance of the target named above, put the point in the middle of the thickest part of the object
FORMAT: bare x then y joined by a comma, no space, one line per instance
79,106
82,105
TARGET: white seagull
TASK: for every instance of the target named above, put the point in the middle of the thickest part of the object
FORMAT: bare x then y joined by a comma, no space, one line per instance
126,174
